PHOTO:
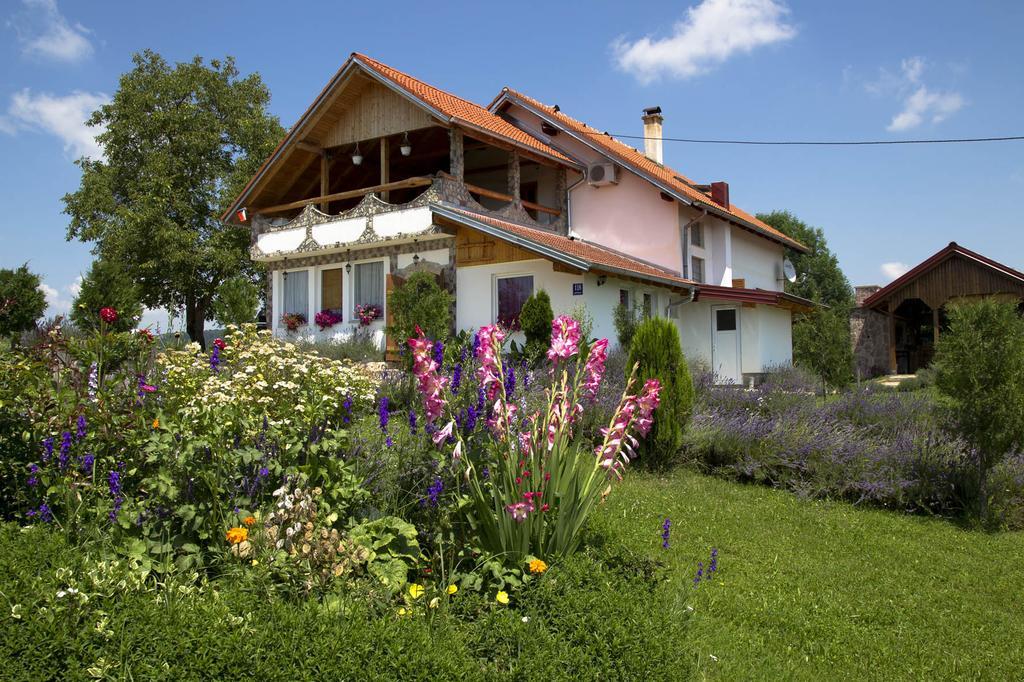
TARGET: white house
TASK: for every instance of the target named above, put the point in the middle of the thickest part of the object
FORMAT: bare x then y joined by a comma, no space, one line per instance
384,175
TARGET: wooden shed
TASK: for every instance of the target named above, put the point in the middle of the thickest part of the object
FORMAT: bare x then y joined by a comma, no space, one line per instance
910,312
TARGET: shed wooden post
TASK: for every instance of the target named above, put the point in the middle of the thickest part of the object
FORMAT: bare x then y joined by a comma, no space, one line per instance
325,180
892,339
935,325
385,168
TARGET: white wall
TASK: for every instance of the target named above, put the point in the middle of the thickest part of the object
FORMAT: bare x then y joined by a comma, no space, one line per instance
776,336
766,335
720,268
694,324
476,303
756,260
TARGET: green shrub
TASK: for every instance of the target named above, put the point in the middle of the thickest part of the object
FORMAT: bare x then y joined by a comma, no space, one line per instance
979,365
236,302
626,321
419,301
22,301
656,349
821,343
106,286
535,321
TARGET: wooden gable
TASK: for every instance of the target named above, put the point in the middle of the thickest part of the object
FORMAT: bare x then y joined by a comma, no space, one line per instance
368,110
955,277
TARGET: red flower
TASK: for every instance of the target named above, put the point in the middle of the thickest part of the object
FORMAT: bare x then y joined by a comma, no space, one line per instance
146,334
108,315
219,343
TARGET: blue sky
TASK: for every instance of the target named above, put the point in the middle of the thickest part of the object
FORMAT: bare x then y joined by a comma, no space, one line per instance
739,69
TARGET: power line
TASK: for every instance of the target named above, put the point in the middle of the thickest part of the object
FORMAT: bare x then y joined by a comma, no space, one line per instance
821,143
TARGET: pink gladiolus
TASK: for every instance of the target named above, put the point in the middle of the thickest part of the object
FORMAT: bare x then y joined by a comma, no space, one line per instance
565,338
647,403
444,434
488,352
520,510
429,381
594,370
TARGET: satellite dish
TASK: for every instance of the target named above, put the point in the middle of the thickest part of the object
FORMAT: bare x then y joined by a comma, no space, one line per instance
789,270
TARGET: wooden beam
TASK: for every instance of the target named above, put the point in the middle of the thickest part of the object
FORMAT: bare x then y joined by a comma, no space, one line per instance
350,194
325,178
385,167
892,339
308,147
491,194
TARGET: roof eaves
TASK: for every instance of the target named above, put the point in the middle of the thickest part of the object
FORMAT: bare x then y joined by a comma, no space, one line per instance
462,217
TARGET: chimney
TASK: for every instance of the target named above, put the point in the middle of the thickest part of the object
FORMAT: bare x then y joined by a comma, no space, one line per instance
720,193
652,133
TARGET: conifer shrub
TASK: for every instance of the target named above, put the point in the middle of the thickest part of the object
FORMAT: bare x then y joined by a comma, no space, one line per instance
535,320
420,301
656,348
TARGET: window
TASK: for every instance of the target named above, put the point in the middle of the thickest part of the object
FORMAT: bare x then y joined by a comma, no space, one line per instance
624,297
725,320
512,294
330,290
368,285
648,305
697,269
697,235
296,293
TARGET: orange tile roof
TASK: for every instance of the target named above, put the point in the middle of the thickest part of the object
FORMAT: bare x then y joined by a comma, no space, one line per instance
460,109
670,177
597,257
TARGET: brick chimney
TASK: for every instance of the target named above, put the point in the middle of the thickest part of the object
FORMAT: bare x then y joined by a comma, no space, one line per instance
720,193
652,133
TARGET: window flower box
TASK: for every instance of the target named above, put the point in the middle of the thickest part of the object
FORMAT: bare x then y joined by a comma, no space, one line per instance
367,314
327,318
292,321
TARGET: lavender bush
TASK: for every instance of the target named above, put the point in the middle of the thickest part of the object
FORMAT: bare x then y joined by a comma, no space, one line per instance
867,445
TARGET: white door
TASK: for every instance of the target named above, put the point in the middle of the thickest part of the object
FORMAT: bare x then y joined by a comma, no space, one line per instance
725,344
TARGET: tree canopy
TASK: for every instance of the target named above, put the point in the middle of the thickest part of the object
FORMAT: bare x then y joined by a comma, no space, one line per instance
179,143
22,301
819,277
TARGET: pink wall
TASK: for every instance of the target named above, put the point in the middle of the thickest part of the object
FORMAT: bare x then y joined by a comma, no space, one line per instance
629,217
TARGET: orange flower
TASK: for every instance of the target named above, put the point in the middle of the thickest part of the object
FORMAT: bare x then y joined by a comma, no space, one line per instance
538,566
156,423
237,535
249,521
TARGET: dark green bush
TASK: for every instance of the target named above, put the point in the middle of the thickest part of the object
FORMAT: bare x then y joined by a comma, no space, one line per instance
535,321
626,321
420,301
22,302
656,349
106,286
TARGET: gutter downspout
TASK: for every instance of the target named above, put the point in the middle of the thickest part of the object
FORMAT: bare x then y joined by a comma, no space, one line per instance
568,201
685,236
682,301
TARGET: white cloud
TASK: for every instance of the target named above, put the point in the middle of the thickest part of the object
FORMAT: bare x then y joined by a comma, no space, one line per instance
708,35
75,287
158,320
56,302
63,116
919,102
44,32
895,269
924,104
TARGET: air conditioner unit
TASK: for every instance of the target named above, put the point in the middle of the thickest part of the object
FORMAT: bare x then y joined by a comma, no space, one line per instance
600,174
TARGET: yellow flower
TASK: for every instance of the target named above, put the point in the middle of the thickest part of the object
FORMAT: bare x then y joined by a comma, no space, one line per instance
501,597
156,423
415,591
237,535
403,611
452,589
538,566
434,602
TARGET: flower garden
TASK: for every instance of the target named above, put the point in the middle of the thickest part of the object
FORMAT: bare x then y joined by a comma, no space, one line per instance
155,491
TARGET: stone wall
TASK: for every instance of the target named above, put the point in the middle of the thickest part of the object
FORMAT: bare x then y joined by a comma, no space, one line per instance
869,333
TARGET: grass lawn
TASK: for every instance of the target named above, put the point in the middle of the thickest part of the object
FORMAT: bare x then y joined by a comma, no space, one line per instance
804,590
810,589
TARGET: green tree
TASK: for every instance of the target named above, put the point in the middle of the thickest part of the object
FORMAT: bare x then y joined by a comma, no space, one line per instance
821,343
106,285
419,301
179,143
22,301
818,338
535,320
237,301
657,351
626,321
819,277
979,370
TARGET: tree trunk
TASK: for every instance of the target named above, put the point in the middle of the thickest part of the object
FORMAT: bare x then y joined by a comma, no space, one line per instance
195,323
